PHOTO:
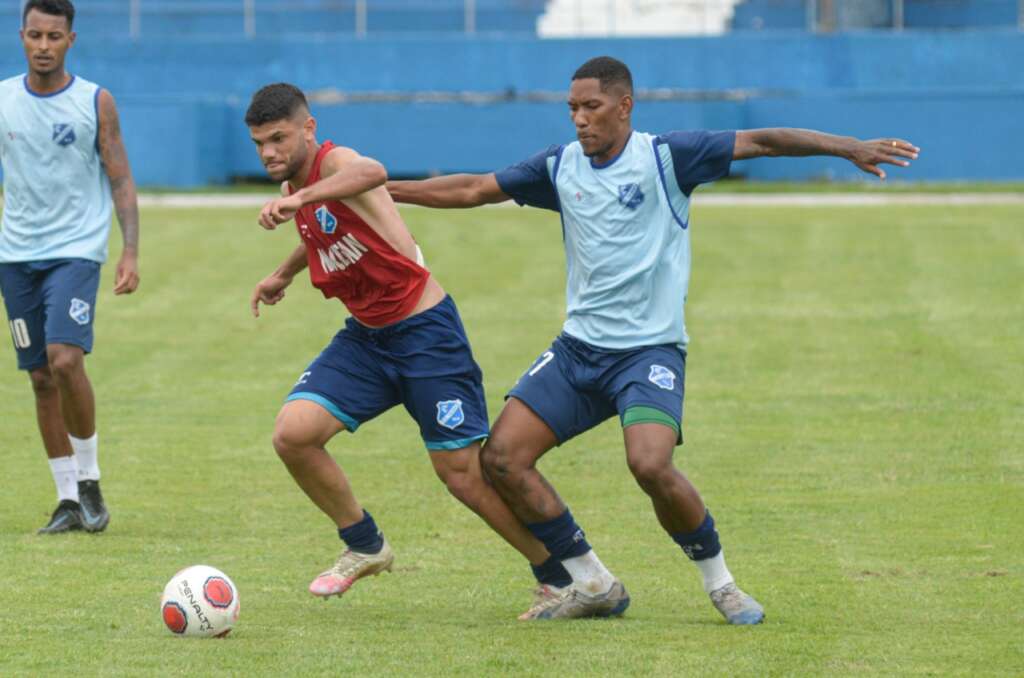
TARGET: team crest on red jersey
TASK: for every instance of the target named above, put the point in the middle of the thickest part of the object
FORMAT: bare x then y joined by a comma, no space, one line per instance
328,222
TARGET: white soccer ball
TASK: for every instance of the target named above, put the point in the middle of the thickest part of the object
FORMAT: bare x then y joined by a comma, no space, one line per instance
200,601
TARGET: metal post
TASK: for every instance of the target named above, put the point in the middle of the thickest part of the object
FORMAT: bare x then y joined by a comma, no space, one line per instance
135,19
469,9
360,18
812,15
249,18
897,14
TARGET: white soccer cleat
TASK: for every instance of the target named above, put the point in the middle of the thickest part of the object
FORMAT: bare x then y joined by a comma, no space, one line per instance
350,567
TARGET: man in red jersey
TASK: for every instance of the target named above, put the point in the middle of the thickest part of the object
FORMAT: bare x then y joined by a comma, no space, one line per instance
403,344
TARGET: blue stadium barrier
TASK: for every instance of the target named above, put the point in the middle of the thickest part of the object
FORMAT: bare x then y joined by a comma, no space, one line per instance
182,101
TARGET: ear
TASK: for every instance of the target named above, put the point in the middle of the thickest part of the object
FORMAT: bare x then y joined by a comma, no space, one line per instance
71,38
625,107
309,128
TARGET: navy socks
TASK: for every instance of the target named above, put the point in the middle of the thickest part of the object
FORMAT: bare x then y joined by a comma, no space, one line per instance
552,573
562,537
363,537
702,543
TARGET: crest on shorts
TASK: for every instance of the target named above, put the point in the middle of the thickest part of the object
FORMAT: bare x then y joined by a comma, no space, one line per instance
450,414
328,222
79,311
63,133
630,195
662,377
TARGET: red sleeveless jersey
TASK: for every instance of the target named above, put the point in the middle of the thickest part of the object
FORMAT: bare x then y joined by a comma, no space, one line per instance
350,261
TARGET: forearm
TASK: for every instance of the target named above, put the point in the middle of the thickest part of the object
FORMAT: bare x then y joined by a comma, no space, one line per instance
785,141
294,264
453,190
356,177
126,204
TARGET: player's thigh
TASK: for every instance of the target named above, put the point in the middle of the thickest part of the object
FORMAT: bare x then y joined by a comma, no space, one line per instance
348,382
552,389
648,387
26,317
69,295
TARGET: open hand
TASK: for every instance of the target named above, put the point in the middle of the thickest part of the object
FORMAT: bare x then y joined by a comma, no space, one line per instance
868,155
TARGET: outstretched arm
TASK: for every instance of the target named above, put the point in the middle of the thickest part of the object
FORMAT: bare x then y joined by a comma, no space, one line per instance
122,188
454,190
784,141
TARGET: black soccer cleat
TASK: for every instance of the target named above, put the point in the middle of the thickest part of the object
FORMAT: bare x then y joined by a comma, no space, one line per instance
67,517
94,511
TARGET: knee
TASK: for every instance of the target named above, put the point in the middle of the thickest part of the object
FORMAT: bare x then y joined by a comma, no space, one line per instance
43,384
498,460
461,484
289,441
649,469
64,361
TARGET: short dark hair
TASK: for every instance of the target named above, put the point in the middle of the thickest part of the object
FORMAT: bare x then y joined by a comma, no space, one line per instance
608,71
279,101
62,8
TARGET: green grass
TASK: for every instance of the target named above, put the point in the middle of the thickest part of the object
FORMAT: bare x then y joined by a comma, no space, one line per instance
854,418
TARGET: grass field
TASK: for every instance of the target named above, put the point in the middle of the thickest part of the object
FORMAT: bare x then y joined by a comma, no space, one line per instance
854,418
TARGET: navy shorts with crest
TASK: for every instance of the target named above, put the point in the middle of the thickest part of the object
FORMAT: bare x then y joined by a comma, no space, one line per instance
423,362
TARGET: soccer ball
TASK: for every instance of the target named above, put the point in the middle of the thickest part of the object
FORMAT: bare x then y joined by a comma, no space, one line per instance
200,601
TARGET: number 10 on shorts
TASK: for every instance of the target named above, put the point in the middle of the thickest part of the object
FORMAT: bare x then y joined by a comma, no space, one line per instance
19,331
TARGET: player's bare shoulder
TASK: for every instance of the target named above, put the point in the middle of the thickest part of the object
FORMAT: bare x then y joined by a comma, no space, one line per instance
336,158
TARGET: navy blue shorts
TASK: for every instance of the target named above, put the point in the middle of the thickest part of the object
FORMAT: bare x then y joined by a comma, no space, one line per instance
574,386
49,302
423,362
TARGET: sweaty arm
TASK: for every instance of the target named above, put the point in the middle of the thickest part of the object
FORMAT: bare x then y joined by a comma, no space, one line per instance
122,188
454,190
782,141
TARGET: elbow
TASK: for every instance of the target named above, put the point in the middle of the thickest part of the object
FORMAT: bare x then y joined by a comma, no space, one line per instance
376,174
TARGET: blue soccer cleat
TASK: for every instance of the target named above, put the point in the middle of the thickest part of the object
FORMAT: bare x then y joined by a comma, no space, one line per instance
736,606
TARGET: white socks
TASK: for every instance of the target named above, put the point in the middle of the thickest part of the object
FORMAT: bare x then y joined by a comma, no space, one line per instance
716,574
589,573
85,450
65,477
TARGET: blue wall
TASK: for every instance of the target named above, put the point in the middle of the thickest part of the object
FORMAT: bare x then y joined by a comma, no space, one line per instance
960,96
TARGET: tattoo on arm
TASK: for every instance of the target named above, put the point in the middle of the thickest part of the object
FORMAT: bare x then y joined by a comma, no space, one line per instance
115,162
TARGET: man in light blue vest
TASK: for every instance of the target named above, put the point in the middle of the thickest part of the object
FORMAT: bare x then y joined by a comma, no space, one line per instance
624,199
64,167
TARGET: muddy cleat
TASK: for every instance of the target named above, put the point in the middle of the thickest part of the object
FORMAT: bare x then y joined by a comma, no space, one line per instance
66,517
93,510
736,606
572,603
542,593
350,567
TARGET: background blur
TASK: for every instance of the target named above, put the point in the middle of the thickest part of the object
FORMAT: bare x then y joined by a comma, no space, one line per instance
430,86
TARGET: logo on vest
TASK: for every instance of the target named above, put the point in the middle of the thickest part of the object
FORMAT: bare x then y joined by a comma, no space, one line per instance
450,414
79,311
631,196
63,134
328,222
662,377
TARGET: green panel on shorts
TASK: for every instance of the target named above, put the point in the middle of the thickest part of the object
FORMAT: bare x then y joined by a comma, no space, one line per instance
648,415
